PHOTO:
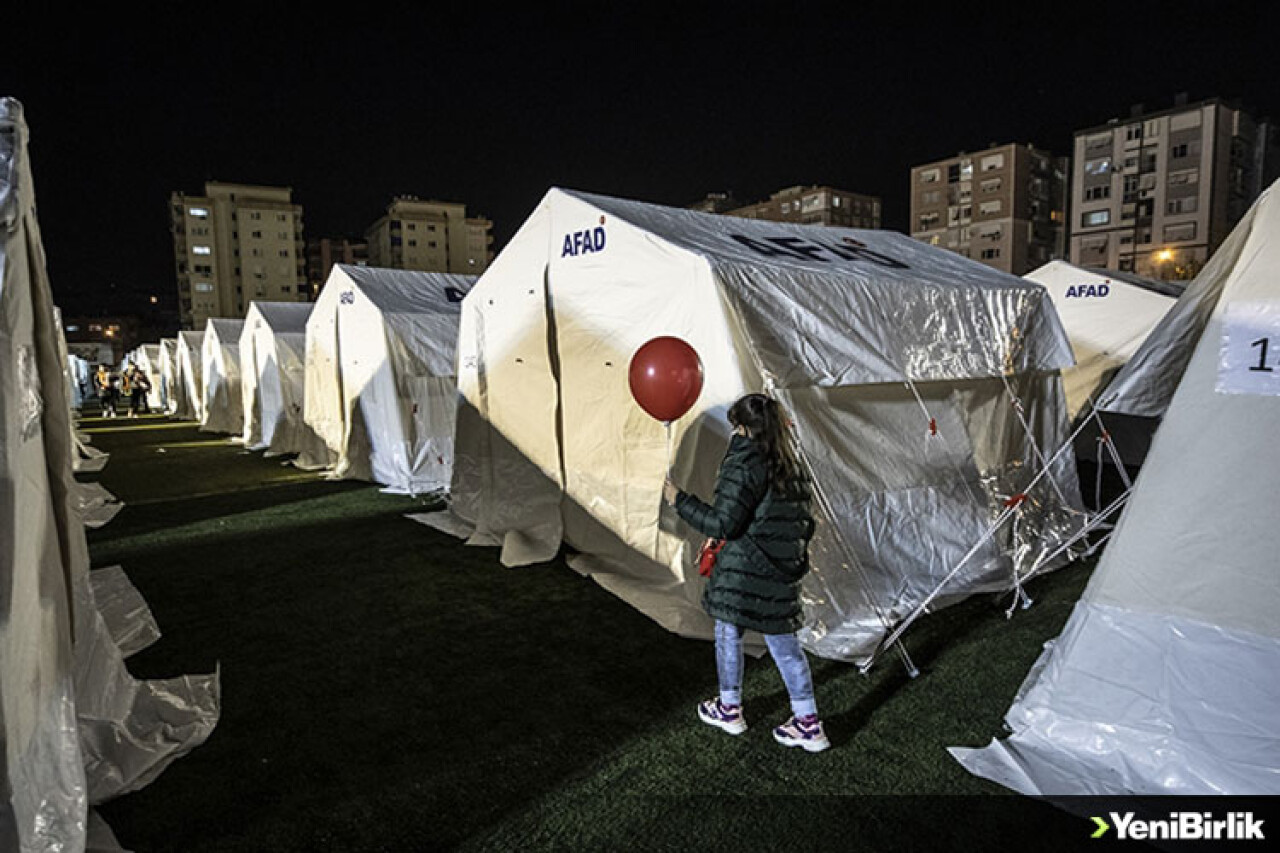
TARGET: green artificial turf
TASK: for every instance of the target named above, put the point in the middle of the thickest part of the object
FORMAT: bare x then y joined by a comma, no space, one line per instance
387,688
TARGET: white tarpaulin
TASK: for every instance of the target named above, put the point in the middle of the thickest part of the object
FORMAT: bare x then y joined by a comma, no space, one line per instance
86,458
79,372
1145,385
80,385
124,611
81,377
273,349
900,364
190,383
148,358
76,727
169,374
380,386
95,505
222,404
1106,315
1164,679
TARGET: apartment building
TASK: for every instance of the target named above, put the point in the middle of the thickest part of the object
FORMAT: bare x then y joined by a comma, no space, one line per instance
430,236
716,203
105,338
816,205
1004,206
324,252
232,245
1158,192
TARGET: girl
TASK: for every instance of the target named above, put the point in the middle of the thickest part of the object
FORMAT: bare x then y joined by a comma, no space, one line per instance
761,510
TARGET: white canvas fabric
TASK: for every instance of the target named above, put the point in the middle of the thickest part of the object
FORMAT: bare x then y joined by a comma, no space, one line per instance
94,504
189,399
380,387
80,375
76,728
1145,385
1163,681
1106,315
149,360
273,347
868,338
222,406
43,781
78,371
169,374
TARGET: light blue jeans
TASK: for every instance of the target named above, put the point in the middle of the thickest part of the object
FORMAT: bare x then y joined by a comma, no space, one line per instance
787,653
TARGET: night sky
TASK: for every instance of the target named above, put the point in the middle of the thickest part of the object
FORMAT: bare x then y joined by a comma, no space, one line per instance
489,106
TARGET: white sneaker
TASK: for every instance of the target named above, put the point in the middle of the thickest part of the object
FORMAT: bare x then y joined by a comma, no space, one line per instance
728,718
804,732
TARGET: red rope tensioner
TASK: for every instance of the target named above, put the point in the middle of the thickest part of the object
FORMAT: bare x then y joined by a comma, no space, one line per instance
1015,500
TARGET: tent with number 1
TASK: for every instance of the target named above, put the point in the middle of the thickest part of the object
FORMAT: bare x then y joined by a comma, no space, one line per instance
1163,680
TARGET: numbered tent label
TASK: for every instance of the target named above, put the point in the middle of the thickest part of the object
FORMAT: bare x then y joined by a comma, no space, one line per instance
1250,356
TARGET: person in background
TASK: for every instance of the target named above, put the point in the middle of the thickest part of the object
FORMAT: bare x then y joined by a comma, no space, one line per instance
126,385
761,511
138,386
102,382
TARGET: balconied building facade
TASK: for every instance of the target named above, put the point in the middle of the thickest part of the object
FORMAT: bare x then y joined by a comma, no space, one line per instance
1003,207
324,252
235,244
1158,192
430,236
716,203
816,205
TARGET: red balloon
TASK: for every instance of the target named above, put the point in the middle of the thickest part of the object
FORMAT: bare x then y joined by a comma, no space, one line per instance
666,377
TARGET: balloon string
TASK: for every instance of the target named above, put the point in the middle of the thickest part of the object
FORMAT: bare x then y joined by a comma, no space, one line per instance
657,535
668,424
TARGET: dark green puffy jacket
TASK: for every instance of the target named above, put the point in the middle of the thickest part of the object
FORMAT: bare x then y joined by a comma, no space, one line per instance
756,582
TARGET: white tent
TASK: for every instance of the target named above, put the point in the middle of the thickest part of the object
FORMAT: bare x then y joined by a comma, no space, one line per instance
1164,678
273,347
76,728
190,383
147,357
1106,315
76,369
221,402
380,387
80,375
169,374
900,364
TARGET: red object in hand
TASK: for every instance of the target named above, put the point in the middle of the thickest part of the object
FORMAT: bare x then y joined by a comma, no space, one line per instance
707,556
665,378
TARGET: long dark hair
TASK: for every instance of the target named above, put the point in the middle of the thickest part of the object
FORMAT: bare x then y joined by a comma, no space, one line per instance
768,426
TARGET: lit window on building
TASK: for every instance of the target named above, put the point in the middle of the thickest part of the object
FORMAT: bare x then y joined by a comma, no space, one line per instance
198,212
1098,167
201,250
